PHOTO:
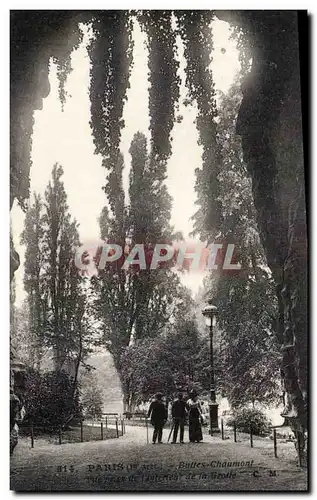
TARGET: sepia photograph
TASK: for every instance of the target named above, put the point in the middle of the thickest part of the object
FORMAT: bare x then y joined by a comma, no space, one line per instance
158,250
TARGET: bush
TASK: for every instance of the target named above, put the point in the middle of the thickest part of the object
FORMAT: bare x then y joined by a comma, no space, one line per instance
92,402
49,400
246,417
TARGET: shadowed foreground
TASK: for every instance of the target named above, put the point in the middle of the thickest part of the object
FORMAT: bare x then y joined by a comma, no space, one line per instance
128,464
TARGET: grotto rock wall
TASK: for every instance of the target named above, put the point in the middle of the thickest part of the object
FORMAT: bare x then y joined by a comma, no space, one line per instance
270,125
33,41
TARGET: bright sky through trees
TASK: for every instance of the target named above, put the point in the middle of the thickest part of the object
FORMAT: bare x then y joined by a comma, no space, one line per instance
65,137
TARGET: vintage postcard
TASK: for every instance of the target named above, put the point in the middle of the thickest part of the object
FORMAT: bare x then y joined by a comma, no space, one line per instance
158,250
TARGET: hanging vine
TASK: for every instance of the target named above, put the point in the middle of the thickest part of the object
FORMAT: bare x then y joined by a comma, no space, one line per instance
163,78
62,59
194,29
111,57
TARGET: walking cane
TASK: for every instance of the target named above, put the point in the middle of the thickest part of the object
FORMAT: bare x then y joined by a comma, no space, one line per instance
147,431
172,428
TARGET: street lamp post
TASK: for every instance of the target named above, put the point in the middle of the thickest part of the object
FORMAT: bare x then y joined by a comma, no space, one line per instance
209,312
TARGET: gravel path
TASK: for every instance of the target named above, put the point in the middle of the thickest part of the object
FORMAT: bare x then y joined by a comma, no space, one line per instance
129,463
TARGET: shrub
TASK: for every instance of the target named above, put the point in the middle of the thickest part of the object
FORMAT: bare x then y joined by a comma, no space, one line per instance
245,417
50,400
92,402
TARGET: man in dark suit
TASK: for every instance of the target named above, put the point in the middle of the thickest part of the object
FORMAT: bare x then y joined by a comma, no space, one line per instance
158,413
179,412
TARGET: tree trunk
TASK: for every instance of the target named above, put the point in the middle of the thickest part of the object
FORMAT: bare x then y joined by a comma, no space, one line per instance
127,404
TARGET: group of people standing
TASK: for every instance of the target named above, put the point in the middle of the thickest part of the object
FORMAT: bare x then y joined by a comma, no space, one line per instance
181,411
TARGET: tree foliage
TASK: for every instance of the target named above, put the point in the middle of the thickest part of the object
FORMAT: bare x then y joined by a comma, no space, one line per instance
195,31
26,344
246,418
49,400
110,51
91,397
135,303
56,296
165,363
247,303
163,78
33,237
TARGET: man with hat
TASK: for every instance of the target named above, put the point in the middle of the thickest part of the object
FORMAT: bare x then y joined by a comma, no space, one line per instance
158,413
179,412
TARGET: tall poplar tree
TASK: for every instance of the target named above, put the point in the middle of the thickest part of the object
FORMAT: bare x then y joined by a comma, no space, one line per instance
56,293
33,238
135,303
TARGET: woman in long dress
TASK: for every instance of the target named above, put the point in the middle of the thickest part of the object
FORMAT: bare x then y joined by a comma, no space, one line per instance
194,418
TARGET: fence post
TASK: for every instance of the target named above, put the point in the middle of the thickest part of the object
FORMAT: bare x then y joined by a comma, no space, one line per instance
122,427
106,422
101,430
60,435
299,450
234,432
117,429
275,443
251,436
222,432
147,431
32,437
81,432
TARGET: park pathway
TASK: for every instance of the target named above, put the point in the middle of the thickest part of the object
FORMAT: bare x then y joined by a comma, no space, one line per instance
130,464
